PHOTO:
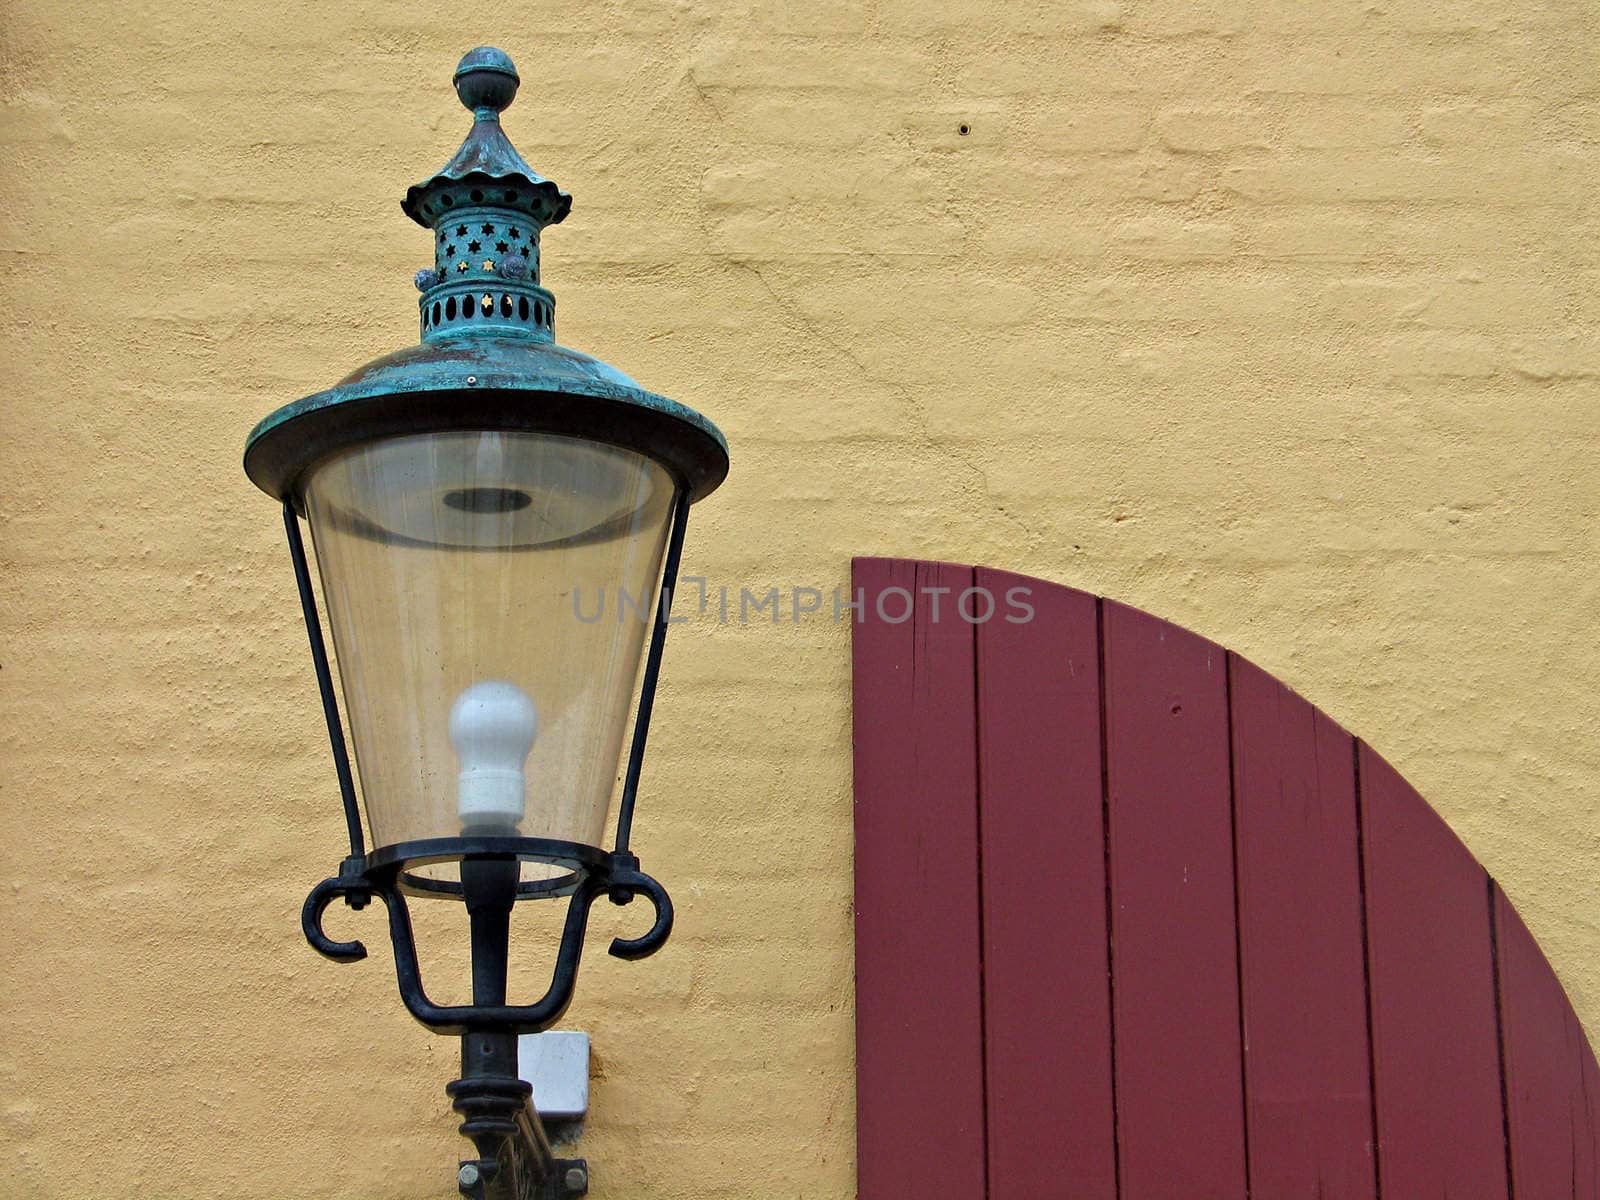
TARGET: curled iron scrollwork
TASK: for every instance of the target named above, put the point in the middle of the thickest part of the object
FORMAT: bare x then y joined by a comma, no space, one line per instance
615,875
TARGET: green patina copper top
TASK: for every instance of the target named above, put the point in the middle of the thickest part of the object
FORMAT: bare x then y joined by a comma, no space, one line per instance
485,364
487,326
486,81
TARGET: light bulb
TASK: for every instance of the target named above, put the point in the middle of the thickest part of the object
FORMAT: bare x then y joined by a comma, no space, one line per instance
492,727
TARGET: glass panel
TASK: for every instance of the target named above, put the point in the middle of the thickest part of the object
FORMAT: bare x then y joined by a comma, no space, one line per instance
489,596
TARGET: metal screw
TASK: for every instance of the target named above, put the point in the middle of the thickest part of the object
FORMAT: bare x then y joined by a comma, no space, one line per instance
472,381
577,1181
467,1177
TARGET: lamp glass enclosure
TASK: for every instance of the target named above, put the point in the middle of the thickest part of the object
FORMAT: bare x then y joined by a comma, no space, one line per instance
489,594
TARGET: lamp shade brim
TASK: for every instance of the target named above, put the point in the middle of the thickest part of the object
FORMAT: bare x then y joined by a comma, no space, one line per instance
492,384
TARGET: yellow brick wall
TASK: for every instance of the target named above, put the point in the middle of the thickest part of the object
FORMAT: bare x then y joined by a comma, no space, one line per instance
1274,317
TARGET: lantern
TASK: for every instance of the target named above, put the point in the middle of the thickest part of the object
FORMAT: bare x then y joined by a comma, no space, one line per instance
497,523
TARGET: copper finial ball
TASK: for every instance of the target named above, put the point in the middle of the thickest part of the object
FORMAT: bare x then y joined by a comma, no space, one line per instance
486,78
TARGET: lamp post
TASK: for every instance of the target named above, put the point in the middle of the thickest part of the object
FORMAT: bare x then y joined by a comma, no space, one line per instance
463,495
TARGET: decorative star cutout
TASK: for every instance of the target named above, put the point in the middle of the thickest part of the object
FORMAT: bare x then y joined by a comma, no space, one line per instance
488,303
501,247
462,266
449,251
461,231
442,237
474,246
488,264
515,233
488,229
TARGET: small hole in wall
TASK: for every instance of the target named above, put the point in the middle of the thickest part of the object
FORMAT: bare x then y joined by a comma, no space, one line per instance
522,308
447,199
477,196
1177,710
963,129
505,306
450,309
511,197
466,307
488,305
436,312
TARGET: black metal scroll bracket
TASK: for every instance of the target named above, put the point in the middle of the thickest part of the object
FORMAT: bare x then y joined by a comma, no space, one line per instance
351,885
619,877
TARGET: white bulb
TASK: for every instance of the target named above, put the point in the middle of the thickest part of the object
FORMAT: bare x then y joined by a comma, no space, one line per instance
492,726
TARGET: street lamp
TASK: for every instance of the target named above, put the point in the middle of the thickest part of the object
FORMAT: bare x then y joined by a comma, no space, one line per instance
468,498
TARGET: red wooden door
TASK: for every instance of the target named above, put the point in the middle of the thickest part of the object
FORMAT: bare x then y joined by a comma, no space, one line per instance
1135,922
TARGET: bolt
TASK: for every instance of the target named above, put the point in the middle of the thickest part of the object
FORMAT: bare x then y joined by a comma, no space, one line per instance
577,1181
467,1177
472,381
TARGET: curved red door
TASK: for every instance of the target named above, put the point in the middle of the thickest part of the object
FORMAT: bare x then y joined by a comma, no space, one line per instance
1136,922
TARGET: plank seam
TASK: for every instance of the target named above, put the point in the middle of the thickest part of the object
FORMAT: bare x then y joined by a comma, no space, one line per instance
1500,1034
983,986
1366,969
1238,935
1105,830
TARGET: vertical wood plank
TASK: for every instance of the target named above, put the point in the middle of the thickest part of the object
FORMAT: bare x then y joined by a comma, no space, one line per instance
1302,967
1587,1136
919,1069
1550,1109
1047,1005
1436,1060
1178,1073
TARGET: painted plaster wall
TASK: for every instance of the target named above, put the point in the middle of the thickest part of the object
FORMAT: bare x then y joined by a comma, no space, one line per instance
1277,319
